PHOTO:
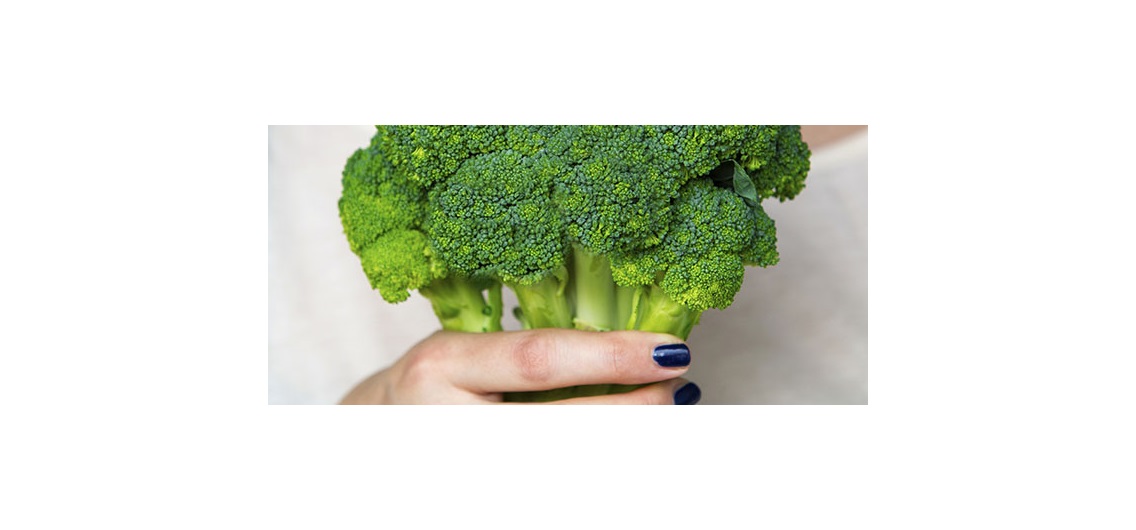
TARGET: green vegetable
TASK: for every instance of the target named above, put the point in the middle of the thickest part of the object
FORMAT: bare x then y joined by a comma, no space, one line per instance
593,227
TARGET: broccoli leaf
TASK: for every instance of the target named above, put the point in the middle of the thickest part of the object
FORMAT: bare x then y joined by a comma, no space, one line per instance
731,175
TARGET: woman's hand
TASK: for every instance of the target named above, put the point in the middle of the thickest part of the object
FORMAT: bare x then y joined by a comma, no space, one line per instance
451,367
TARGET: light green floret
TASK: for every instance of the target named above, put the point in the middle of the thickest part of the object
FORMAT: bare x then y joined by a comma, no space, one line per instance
376,200
400,261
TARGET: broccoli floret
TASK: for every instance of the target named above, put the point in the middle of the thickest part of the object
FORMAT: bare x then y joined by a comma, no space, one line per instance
495,219
382,210
700,264
375,201
711,227
399,261
781,173
617,191
504,227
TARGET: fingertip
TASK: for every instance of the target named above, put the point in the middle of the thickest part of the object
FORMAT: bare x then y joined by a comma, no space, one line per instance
677,391
671,355
687,393
667,351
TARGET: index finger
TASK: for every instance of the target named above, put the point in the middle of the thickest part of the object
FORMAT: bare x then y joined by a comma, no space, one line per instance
544,359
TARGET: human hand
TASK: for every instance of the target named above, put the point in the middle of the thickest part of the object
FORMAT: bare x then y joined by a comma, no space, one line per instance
477,368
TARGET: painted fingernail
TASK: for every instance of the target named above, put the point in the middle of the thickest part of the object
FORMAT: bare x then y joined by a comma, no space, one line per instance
689,394
672,355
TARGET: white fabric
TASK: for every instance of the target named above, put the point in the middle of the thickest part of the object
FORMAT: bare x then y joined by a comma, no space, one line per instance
797,332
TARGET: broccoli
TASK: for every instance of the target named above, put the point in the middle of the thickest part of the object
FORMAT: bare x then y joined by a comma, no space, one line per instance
593,227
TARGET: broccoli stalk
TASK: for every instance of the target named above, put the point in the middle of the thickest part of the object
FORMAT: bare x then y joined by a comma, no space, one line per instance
544,304
661,314
460,306
594,292
627,306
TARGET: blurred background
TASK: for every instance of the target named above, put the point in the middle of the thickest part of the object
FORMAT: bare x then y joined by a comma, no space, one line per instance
797,333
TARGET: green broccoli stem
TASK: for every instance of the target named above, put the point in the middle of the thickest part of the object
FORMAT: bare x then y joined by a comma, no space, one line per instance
460,306
543,304
659,313
496,306
593,290
626,306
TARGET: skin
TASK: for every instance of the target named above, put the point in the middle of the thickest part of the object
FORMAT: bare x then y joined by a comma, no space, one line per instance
476,368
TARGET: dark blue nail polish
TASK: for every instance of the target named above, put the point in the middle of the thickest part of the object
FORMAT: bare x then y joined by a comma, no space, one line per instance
672,355
689,394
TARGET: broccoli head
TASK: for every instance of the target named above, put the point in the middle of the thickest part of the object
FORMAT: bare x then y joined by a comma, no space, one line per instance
596,227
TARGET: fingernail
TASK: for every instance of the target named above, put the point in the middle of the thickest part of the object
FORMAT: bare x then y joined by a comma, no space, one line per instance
689,394
672,355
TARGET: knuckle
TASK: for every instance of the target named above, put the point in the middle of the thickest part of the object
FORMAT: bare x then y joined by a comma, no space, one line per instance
532,355
422,367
